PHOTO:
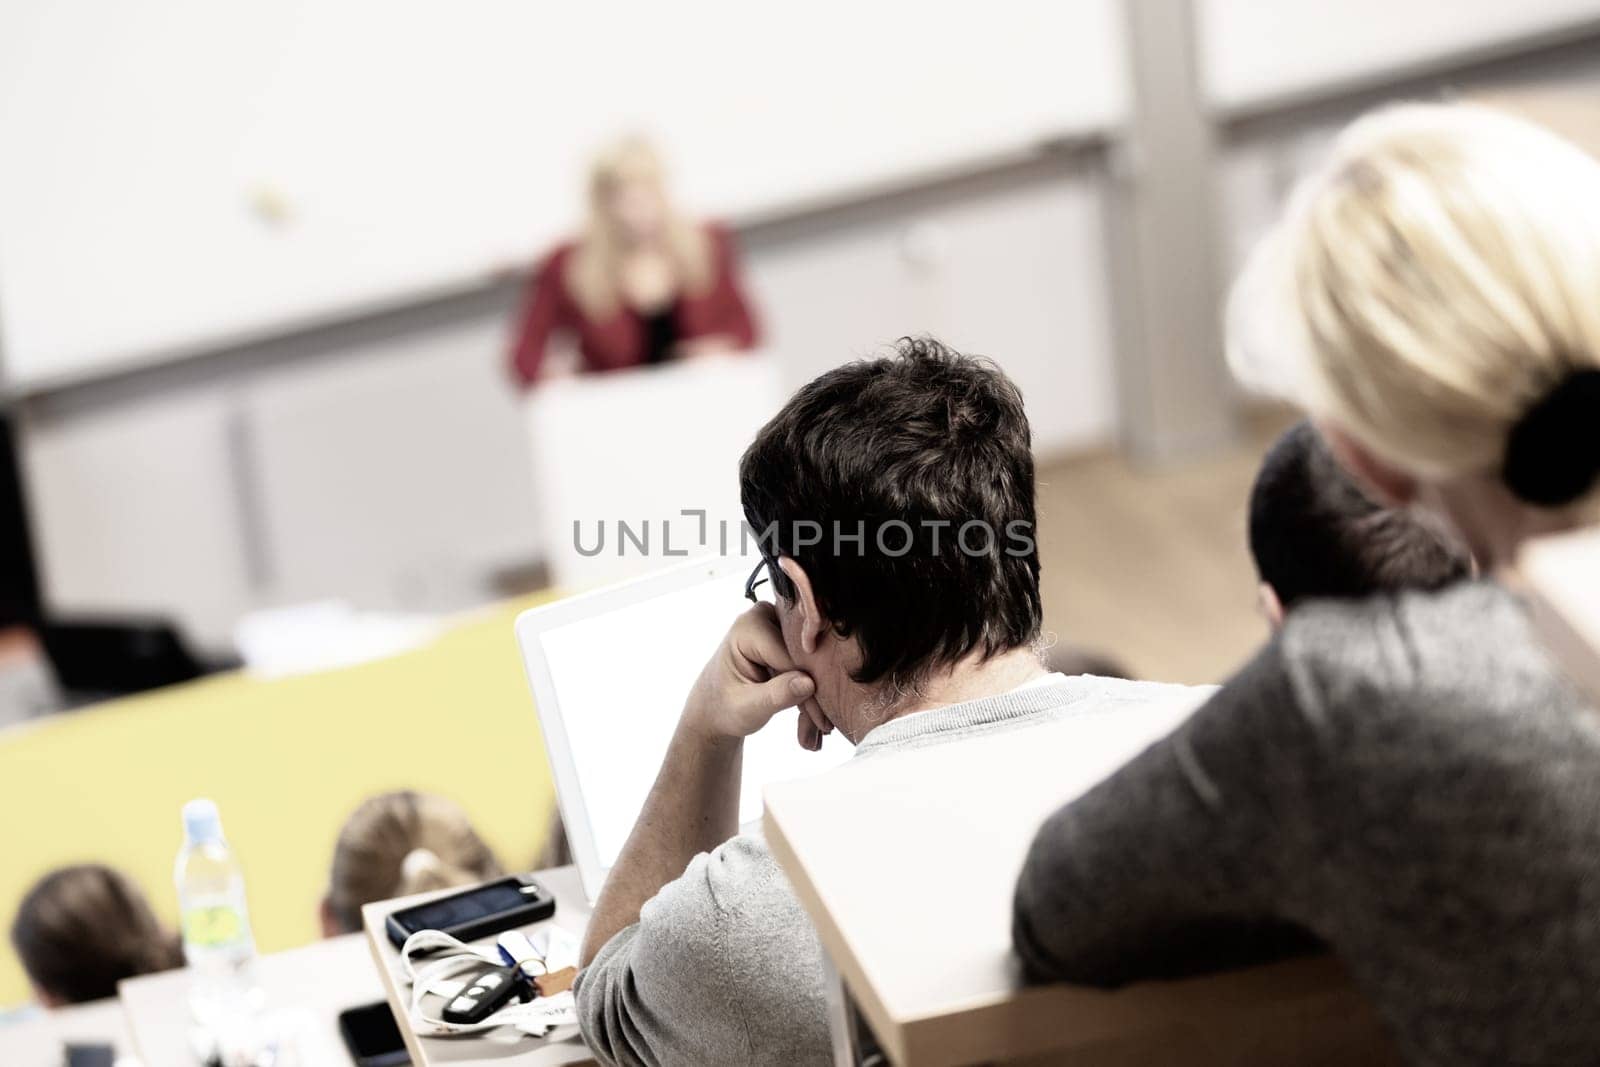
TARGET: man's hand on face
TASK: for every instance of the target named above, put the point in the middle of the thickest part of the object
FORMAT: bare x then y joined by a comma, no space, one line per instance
748,680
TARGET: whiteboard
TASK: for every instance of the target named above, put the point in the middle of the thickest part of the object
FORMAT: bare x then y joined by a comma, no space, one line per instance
411,147
1258,50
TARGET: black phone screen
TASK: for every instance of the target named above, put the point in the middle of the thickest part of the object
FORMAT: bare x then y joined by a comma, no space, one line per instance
372,1037
493,899
90,1056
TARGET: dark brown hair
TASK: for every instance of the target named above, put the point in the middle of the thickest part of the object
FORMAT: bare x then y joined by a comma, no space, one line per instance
369,861
890,463
81,930
1314,533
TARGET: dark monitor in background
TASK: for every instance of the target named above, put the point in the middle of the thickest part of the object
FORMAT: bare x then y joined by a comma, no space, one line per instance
113,657
90,657
19,579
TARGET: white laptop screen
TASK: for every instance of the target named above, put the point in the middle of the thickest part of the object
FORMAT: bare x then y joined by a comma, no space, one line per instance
620,679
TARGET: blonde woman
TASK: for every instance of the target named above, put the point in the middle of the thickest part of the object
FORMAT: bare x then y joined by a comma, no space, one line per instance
1408,780
400,843
641,284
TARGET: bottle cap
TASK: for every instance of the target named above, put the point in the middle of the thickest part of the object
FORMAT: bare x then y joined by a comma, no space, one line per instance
201,821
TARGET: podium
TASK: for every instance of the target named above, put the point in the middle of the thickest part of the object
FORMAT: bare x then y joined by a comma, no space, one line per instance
637,469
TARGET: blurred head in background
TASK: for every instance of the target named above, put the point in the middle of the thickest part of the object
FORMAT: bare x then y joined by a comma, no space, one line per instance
635,238
1430,297
400,843
81,930
1315,533
628,193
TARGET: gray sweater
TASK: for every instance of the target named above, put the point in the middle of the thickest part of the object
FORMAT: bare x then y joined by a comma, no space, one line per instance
1410,780
723,966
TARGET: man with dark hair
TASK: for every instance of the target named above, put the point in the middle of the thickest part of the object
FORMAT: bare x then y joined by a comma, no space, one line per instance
1315,534
893,503
80,930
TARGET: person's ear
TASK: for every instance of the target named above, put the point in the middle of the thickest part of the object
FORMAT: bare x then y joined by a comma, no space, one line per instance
813,624
1388,484
330,925
1271,606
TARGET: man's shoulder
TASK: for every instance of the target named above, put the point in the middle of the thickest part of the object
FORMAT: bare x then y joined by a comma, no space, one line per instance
742,866
1424,691
1091,697
735,887
722,966
1092,689
1047,702
1464,643
733,922
1067,698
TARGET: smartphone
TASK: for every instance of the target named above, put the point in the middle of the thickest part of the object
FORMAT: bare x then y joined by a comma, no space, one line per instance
373,1038
477,912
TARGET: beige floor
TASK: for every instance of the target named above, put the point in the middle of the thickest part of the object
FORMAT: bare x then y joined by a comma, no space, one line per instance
1150,565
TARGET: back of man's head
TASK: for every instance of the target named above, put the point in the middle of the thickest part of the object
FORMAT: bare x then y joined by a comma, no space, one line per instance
82,929
1314,533
903,487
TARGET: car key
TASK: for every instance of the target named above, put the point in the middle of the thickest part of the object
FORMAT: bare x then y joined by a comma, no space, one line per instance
485,993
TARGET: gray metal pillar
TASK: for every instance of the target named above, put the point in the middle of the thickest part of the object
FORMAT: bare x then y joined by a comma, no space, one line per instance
1174,390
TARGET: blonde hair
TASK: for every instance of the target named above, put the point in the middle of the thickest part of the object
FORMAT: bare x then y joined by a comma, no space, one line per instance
593,270
1429,286
396,844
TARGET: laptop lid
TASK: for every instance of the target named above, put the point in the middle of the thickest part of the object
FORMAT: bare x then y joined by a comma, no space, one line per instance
610,671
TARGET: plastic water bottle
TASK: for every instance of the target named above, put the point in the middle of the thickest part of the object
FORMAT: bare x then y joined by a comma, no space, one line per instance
224,992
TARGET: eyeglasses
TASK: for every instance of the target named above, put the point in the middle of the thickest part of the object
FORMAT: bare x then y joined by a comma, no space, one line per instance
755,581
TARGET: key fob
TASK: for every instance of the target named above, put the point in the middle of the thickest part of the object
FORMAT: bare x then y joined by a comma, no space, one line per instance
485,993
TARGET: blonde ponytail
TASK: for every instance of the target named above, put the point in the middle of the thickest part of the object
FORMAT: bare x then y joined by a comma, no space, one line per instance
1430,287
400,843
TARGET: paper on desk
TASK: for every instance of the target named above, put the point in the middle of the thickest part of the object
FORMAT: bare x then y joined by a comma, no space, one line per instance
280,1038
539,1017
559,947
325,635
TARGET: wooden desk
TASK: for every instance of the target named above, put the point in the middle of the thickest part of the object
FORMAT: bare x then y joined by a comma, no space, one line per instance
505,1047
1563,591
39,1042
306,989
906,864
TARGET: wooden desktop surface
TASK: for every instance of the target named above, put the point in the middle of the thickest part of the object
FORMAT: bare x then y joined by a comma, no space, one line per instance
906,863
504,1047
1562,576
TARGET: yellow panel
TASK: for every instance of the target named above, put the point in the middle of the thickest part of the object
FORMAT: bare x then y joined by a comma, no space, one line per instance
286,761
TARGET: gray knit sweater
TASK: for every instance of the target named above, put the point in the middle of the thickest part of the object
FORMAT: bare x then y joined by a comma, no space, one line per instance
723,966
1410,780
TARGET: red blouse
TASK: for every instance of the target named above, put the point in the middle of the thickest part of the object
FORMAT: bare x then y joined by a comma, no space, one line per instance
619,340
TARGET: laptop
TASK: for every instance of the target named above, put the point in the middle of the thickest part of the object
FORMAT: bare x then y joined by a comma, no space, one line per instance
610,671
